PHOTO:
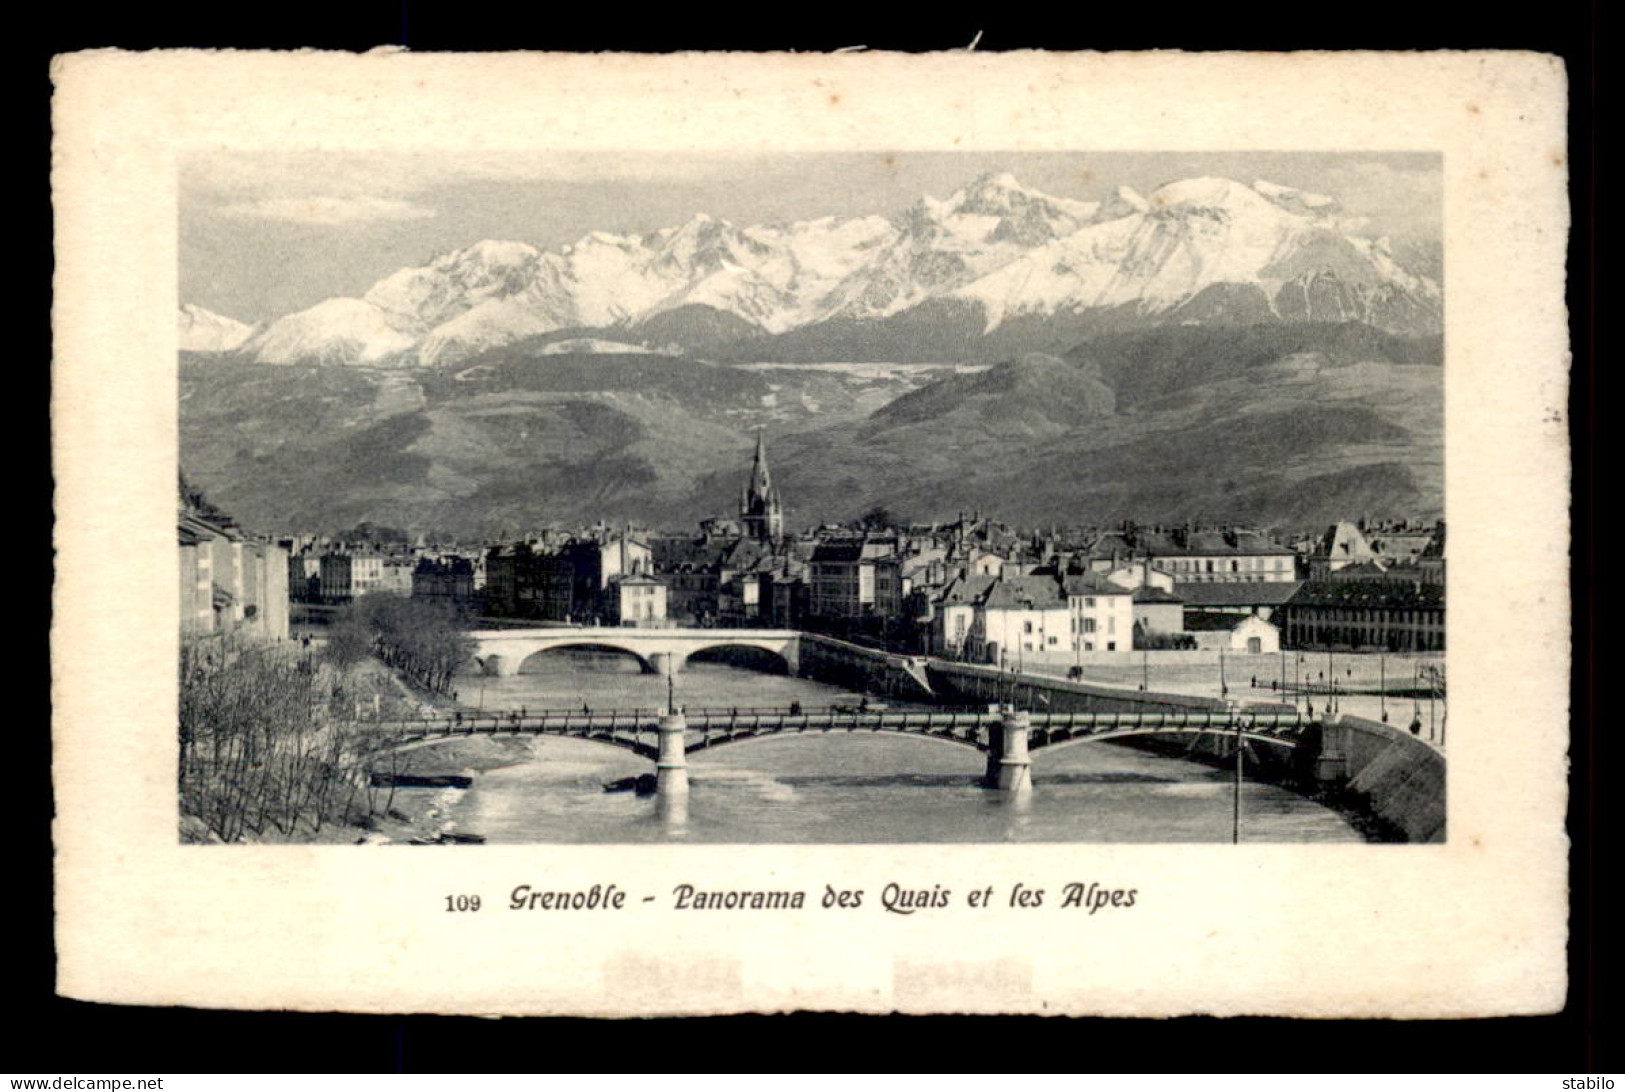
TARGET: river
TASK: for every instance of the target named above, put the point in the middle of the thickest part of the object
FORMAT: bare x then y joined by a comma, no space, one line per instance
842,787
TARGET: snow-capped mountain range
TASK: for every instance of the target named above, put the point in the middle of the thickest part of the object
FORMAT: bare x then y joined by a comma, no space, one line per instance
1200,250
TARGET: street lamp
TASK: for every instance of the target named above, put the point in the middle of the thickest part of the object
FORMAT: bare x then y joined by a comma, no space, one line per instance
1433,686
1235,796
1382,682
1077,643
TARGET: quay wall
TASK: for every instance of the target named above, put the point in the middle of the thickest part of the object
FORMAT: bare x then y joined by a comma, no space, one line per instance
1384,772
1394,775
1369,767
973,684
830,659
1165,657
1365,767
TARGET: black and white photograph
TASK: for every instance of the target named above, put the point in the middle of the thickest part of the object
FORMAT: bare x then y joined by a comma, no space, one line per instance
785,498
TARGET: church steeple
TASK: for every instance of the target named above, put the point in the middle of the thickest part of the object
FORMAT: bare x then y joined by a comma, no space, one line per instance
760,512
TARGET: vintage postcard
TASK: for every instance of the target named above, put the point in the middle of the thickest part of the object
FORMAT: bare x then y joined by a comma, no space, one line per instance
612,535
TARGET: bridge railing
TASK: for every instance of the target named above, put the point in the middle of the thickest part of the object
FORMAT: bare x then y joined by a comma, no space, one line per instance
845,719
1217,720
957,723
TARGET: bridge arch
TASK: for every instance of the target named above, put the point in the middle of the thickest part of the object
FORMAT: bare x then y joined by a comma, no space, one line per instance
624,739
719,738
532,655
755,655
1038,743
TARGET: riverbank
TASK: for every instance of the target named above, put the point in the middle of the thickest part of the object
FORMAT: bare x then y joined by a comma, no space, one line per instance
428,816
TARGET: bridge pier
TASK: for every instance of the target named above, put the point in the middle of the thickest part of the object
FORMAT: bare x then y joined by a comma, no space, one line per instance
1009,765
665,663
672,810
501,665
671,768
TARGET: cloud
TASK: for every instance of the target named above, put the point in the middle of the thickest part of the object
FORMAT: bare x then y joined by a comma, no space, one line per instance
327,210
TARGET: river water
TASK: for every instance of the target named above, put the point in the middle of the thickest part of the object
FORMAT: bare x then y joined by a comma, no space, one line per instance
841,787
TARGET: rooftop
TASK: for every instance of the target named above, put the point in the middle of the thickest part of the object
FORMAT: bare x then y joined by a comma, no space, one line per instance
1217,623
1369,594
1160,542
1265,593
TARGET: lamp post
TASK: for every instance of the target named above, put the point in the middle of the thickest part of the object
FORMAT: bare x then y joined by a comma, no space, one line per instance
1433,683
1004,674
1077,642
1331,681
1382,682
1235,796
1416,689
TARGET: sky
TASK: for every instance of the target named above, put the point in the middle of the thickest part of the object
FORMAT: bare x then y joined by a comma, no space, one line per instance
263,235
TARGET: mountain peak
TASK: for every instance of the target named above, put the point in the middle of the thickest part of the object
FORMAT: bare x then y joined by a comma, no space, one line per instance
996,182
204,331
995,193
490,254
1296,200
1207,193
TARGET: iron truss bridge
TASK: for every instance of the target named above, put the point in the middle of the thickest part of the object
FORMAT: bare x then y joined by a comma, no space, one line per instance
638,730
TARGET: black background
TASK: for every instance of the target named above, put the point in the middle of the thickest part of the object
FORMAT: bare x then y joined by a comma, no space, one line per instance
45,1035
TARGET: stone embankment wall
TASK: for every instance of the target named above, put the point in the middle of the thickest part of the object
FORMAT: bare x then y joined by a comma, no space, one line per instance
971,684
829,659
1394,775
1382,771
1243,662
1385,772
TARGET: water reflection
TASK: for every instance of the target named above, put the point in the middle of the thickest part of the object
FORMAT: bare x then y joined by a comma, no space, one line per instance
672,811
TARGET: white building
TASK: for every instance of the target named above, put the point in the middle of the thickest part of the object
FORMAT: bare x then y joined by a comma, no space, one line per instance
638,601
1244,633
988,619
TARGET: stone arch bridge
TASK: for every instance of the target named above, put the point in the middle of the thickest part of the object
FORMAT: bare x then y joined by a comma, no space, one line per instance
500,652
